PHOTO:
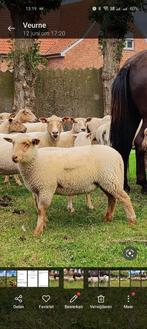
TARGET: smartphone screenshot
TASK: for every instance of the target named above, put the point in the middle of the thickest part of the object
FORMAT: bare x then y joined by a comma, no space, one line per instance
73,164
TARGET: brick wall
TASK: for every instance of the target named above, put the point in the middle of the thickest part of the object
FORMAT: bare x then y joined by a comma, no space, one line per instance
87,55
84,55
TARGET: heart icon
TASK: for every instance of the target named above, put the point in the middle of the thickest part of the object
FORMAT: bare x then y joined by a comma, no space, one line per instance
46,298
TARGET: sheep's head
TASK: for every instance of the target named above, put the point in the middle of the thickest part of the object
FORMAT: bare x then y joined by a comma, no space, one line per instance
82,139
16,126
23,148
79,125
144,143
26,115
54,126
92,124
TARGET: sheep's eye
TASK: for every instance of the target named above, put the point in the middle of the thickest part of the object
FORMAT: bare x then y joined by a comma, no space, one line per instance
26,144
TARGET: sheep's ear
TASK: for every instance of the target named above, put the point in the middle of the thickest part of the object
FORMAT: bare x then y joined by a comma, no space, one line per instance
35,141
10,120
43,119
88,135
66,119
10,140
74,136
12,115
88,119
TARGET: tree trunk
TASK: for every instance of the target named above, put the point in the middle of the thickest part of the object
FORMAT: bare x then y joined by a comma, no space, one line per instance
110,69
24,75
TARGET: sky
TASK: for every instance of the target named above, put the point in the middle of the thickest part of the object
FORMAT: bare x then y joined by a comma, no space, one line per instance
11,273
2,273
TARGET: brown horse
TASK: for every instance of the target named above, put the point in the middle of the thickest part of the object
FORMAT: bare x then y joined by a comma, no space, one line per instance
129,106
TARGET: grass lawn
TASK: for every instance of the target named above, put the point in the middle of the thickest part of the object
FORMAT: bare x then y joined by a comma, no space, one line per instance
53,283
74,285
70,240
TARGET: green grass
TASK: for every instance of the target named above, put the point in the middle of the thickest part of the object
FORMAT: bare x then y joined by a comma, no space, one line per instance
70,240
53,283
74,284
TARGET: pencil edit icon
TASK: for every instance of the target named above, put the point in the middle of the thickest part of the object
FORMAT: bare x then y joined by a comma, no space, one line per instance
75,297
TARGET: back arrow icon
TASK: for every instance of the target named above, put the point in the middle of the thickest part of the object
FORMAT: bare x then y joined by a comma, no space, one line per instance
11,28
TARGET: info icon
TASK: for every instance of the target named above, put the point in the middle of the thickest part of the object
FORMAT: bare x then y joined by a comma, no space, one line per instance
130,253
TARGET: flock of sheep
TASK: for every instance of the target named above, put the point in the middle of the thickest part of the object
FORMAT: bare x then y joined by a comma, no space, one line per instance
52,161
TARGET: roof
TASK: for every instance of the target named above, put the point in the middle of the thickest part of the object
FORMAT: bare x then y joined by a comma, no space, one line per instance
140,19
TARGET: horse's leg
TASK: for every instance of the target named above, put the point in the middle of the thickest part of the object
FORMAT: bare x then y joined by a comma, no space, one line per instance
126,161
126,152
140,159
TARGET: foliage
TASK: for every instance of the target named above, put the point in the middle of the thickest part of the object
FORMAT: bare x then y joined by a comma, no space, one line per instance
19,7
18,12
31,57
114,24
118,46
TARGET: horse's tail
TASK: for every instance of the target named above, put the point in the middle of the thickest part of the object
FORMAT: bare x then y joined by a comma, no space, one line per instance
122,112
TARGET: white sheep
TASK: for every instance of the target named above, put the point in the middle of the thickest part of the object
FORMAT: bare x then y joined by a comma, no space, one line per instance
8,126
36,126
54,135
78,124
25,115
94,123
49,138
4,116
7,166
12,125
93,280
70,171
81,139
103,279
64,139
103,134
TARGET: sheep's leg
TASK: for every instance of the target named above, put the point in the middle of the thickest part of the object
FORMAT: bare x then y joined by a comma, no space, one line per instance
17,180
41,222
36,200
111,207
6,180
124,198
70,205
89,201
42,203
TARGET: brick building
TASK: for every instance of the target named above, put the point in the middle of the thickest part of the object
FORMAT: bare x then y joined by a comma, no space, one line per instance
76,52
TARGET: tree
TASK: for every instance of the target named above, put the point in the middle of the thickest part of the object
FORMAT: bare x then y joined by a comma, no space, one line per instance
25,52
114,24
